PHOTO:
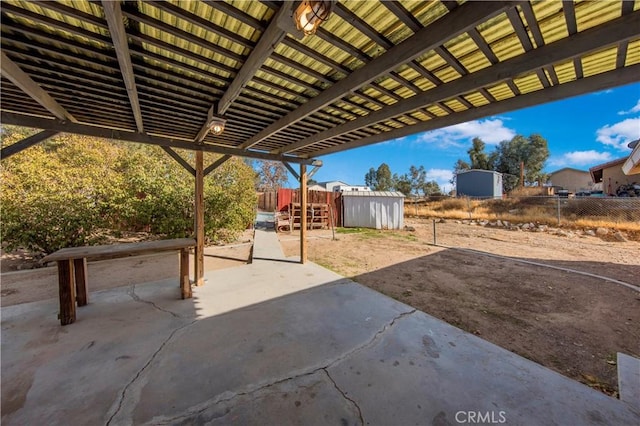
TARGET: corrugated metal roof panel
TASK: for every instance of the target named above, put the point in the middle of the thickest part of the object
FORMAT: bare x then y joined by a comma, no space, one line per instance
373,194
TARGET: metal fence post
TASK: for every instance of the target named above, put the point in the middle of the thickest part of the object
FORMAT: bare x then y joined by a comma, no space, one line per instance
558,211
435,241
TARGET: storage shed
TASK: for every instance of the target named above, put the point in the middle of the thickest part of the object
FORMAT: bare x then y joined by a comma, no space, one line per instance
373,209
479,183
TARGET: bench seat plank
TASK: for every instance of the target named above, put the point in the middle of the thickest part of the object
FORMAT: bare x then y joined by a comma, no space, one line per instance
124,249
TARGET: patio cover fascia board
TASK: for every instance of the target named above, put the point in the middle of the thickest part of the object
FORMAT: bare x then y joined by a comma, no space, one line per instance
101,132
455,23
603,81
614,32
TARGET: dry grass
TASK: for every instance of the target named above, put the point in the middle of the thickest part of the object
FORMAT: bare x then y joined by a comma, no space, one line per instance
536,210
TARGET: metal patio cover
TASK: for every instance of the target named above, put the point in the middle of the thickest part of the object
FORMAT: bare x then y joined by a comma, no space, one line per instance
376,70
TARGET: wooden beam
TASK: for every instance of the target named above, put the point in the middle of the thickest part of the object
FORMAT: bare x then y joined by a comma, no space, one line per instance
269,39
199,220
292,171
569,10
25,143
103,132
451,25
179,159
303,213
607,80
219,162
12,72
587,41
114,17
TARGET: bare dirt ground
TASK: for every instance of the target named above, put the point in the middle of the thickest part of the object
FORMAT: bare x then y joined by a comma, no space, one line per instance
574,324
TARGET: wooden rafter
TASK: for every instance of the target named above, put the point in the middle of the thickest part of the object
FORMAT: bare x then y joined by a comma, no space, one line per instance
114,17
455,23
601,81
587,41
21,79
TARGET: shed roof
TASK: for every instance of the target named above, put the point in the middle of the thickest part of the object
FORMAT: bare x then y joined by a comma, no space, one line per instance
150,72
479,171
395,194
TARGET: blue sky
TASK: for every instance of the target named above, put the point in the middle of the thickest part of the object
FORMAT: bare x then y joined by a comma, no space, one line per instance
581,132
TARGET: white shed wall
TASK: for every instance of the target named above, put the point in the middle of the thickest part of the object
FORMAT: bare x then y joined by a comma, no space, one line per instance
377,212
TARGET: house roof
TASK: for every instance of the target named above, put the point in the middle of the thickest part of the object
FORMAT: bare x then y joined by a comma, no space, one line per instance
151,72
608,164
568,169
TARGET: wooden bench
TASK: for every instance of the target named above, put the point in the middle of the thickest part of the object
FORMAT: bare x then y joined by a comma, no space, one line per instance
72,268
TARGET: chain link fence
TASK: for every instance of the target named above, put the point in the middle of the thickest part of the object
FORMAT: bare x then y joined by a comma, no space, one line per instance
552,210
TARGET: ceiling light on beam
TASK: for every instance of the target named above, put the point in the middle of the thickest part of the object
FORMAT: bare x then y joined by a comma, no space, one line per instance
311,13
216,124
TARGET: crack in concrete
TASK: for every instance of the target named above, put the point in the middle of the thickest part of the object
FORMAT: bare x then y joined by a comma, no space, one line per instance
200,408
144,367
344,395
132,292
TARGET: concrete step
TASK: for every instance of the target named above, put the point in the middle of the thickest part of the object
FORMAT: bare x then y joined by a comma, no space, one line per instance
629,379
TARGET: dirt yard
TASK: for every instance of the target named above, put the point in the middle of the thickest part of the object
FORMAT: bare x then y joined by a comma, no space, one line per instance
572,323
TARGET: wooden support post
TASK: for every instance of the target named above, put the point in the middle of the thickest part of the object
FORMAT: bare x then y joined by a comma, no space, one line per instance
199,219
67,292
80,272
303,213
185,284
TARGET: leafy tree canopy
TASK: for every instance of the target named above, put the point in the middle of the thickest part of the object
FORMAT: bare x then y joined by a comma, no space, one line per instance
507,158
272,175
71,189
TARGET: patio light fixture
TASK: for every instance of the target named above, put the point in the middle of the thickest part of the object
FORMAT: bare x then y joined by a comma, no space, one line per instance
311,13
217,125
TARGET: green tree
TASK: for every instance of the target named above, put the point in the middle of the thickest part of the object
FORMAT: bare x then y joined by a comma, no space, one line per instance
431,188
417,177
532,151
370,179
478,157
384,179
402,183
272,175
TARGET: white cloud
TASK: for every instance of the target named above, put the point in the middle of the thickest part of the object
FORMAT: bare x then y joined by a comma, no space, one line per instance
633,110
581,158
491,132
442,176
620,134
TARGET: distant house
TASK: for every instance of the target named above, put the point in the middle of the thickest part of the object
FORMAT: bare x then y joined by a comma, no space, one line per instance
329,185
571,179
611,176
351,188
479,183
316,187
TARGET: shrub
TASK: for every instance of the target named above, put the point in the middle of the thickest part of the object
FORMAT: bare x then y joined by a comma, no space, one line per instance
62,192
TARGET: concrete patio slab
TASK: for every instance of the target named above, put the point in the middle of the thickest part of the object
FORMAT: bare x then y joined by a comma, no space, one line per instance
272,343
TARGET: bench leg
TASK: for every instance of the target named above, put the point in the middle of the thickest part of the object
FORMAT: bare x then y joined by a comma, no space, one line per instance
66,289
185,284
80,270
